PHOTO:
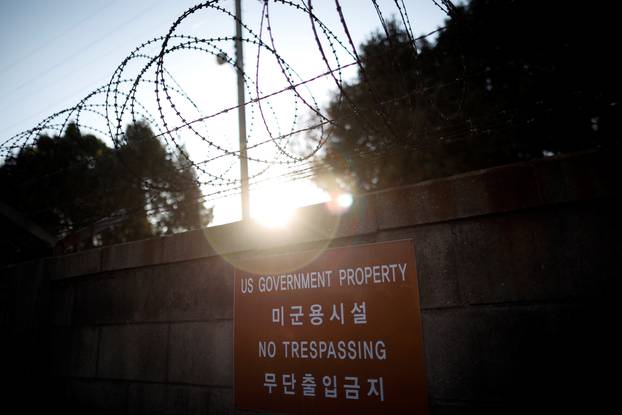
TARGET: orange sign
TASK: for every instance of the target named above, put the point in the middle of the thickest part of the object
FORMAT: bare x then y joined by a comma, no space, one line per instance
336,333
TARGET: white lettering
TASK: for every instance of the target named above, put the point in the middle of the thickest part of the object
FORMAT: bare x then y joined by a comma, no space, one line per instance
342,276
334,350
246,285
267,349
403,269
375,274
297,281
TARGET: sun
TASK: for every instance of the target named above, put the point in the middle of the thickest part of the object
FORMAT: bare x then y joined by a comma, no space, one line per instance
274,206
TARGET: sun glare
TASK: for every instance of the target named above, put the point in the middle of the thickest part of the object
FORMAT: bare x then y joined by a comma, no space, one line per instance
273,207
344,200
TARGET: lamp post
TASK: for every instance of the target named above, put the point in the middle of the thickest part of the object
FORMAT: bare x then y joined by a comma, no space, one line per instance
239,64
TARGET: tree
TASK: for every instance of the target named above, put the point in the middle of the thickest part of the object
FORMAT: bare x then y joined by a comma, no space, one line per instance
74,185
505,81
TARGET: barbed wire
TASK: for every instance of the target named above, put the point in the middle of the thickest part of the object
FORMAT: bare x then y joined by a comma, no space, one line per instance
488,123
493,122
283,100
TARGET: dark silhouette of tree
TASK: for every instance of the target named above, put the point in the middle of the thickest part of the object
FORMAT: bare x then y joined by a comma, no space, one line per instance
74,185
505,81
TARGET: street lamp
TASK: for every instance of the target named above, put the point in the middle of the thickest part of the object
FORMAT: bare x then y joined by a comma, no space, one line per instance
239,66
239,63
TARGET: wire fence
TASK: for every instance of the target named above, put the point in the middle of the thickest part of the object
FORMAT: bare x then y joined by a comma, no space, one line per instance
285,99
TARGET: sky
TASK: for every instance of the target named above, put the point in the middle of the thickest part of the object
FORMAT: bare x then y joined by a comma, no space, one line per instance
54,53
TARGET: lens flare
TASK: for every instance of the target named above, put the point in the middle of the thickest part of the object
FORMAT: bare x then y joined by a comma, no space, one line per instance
277,221
273,207
277,216
344,200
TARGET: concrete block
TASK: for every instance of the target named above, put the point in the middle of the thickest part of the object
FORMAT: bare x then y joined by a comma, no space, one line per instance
470,407
256,412
62,298
132,254
545,254
500,354
412,205
9,278
310,224
84,346
133,352
590,248
60,350
97,397
187,400
147,398
202,353
574,177
233,238
186,246
508,258
221,401
195,290
360,218
435,256
109,298
153,398
58,393
311,249
437,266
369,238
494,190
431,201
454,366
31,297
323,222
78,264
32,394
508,188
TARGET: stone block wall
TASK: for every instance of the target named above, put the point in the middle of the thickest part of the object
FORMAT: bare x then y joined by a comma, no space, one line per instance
516,268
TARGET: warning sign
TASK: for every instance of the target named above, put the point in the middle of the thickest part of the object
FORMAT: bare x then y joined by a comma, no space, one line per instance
336,333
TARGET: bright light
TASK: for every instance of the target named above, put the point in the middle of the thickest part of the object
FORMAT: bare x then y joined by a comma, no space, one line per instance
344,200
275,218
273,207
339,203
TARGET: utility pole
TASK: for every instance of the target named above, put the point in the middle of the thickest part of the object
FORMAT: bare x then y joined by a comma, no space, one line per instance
239,63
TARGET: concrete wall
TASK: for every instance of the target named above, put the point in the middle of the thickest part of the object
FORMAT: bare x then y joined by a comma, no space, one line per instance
516,266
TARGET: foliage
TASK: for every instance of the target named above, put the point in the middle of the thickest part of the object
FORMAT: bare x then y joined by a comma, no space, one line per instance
505,81
66,184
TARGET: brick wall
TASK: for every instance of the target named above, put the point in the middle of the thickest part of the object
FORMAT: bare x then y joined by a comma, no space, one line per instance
516,267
